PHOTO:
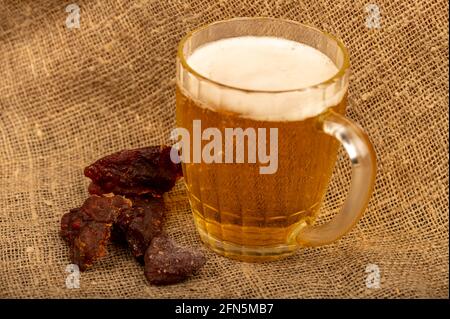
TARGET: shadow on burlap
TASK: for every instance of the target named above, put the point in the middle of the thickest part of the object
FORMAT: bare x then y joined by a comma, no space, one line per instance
68,97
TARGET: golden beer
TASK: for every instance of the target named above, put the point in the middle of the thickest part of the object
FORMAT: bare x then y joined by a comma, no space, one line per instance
236,204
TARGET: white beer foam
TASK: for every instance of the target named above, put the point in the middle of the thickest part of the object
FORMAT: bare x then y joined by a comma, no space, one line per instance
264,64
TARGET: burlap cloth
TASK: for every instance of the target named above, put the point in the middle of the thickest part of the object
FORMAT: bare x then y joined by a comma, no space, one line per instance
69,96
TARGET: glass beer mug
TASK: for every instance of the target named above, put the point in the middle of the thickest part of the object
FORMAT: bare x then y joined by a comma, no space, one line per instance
279,86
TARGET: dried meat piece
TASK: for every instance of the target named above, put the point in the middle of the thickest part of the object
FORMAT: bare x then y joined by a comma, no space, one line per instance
90,244
140,224
167,263
147,170
71,223
88,228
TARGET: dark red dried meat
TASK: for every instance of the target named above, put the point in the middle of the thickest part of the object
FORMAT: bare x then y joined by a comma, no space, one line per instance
140,224
147,170
167,263
88,228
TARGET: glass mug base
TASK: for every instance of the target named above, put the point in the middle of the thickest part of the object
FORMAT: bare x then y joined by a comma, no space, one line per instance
247,253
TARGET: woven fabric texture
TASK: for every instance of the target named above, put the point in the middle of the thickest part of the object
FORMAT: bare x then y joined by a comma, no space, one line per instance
70,96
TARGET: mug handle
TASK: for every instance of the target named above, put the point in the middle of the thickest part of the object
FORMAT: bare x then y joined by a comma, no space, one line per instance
363,159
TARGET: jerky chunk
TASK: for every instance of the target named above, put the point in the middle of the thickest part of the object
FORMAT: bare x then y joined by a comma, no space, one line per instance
88,228
140,224
147,170
166,263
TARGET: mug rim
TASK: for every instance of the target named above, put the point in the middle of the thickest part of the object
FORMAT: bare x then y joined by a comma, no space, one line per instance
335,78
